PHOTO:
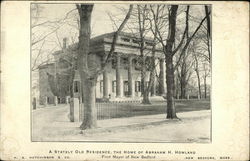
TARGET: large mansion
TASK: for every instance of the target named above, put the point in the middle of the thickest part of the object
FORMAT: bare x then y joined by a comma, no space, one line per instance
121,78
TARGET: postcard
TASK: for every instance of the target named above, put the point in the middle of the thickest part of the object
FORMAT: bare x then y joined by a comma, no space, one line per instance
124,80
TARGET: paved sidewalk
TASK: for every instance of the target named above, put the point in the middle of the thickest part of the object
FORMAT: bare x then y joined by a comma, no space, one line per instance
149,119
52,124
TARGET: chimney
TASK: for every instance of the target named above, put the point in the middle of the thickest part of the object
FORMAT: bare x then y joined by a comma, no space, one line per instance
64,43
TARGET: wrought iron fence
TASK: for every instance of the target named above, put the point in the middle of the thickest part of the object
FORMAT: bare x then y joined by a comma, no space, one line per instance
108,110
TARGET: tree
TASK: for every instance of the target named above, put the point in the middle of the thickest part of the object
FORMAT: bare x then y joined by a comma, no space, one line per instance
200,54
170,51
61,81
171,113
85,67
197,71
206,73
44,32
142,15
88,68
207,12
44,42
184,72
140,25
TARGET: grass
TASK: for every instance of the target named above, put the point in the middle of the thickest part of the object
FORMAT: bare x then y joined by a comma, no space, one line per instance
118,110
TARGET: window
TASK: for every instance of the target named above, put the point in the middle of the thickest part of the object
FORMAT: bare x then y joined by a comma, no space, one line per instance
136,41
113,86
137,64
125,86
125,63
101,85
137,86
125,39
149,43
76,86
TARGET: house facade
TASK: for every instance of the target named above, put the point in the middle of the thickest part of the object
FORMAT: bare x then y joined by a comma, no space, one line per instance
122,76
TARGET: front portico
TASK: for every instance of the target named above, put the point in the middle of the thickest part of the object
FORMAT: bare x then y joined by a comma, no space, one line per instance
122,79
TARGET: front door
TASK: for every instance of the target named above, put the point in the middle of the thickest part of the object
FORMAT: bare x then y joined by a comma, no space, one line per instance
125,85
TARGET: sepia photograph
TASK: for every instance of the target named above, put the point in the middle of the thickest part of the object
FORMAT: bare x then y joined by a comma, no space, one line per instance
124,80
121,72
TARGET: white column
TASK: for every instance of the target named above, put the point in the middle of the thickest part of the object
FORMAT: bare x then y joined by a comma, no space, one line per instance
130,77
119,83
105,84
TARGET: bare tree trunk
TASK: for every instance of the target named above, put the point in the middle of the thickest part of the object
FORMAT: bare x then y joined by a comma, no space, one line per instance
71,90
143,74
87,69
141,21
181,84
151,84
199,83
145,89
183,88
177,87
151,81
205,87
88,81
183,80
146,97
208,31
208,48
90,114
171,112
169,53
198,75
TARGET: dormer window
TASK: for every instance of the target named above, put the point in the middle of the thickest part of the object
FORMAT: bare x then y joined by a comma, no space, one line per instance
125,39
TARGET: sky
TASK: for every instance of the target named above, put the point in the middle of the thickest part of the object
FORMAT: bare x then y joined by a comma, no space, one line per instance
101,22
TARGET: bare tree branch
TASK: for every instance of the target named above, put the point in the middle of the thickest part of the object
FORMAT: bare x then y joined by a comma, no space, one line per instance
56,21
112,49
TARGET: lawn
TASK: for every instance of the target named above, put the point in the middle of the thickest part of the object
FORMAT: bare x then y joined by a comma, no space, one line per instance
118,110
